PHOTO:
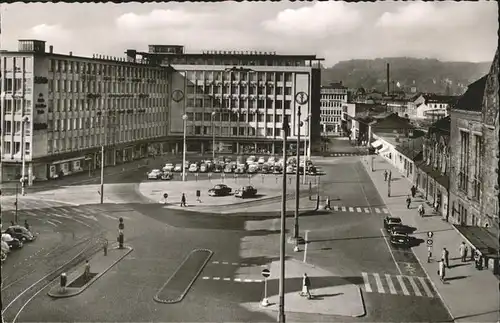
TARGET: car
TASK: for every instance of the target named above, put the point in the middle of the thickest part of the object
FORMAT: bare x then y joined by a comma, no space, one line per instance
5,247
290,170
218,168
399,239
391,222
265,169
276,170
193,168
166,176
20,232
246,191
12,242
251,159
219,190
203,168
240,169
271,160
178,168
228,168
168,167
261,160
252,169
154,174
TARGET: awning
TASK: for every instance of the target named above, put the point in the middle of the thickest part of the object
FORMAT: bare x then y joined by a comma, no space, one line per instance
383,149
376,144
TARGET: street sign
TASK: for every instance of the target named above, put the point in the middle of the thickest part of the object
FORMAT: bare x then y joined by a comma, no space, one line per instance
177,95
301,98
430,234
429,242
165,195
266,272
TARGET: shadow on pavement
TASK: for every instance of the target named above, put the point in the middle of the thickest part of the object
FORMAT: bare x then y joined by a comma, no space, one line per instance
455,278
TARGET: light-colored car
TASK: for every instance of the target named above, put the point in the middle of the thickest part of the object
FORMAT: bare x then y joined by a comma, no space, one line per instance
193,168
251,159
203,168
168,167
252,169
271,161
154,174
178,168
5,247
262,160
289,169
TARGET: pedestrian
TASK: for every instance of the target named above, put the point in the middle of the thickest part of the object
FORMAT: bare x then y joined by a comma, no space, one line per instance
442,270
306,285
390,175
86,272
446,257
385,175
421,210
183,200
413,191
408,202
26,225
463,251
478,258
12,223
429,253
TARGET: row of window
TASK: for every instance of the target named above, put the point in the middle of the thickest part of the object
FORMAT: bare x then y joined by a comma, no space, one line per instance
330,119
238,76
188,60
72,86
464,176
14,148
16,85
240,103
331,104
238,89
224,117
17,64
328,97
233,131
122,122
325,112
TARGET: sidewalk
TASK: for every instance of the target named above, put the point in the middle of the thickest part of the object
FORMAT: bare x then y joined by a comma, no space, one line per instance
469,295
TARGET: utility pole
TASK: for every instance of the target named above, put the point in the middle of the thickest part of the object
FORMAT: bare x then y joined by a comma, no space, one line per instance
297,181
102,175
23,153
281,315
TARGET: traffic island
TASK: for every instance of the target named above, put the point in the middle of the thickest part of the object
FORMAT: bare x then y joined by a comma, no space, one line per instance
331,295
100,264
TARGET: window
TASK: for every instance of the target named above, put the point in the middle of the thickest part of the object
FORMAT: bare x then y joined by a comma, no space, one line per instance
197,116
197,130
234,131
476,183
463,176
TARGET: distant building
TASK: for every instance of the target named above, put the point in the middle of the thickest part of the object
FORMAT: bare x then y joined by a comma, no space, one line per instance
431,107
333,98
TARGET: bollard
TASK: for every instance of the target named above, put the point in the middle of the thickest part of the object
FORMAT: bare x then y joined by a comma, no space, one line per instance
310,191
105,247
63,282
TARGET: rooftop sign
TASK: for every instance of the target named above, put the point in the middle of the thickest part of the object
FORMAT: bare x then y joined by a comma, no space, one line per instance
232,52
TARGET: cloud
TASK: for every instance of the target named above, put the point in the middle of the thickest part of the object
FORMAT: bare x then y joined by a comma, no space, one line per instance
318,20
50,32
159,18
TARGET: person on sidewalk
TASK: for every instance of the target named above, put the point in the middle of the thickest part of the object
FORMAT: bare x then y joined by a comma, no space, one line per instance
446,257
442,270
421,210
413,191
463,251
86,272
306,285
385,175
390,176
183,200
408,202
26,225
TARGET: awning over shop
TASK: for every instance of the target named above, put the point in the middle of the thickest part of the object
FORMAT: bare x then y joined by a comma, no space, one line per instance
376,144
383,149
483,239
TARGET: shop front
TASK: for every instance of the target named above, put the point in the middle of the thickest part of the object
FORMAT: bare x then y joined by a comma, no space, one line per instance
61,168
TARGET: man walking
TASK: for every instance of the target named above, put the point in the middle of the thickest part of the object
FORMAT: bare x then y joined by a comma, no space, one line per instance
442,270
306,285
408,202
413,191
445,257
26,225
183,200
463,251
385,175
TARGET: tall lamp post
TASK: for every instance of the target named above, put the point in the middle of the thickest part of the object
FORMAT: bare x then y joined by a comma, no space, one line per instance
308,120
184,118
24,121
213,136
297,180
281,313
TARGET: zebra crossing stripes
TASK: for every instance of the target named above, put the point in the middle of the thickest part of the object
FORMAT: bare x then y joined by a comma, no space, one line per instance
397,285
358,209
237,280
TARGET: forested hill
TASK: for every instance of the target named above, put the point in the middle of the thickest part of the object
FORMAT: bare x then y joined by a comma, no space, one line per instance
427,75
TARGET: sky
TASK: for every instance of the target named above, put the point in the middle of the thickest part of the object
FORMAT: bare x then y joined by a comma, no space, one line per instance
335,31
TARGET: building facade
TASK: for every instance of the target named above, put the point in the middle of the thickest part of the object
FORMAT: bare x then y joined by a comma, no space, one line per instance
475,152
430,107
333,100
239,98
63,108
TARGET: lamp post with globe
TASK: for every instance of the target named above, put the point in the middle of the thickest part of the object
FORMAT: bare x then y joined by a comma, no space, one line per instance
184,118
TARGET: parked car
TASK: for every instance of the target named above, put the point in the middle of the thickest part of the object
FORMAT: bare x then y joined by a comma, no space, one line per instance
246,191
21,233
252,169
203,168
265,169
154,174
391,222
166,176
218,168
289,169
12,242
5,247
262,160
240,169
168,167
251,159
193,168
271,161
276,169
399,239
178,168
228,169
219,190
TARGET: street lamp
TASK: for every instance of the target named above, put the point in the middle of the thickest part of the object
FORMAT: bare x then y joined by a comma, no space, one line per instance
297,181
184,118
213,136
24,120
305,146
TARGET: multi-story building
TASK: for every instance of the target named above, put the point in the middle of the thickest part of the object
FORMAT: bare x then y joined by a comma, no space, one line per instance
63,108
475,153
333,99
238,98
429,106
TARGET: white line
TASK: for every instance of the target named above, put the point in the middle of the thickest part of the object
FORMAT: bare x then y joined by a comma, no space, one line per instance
275,222
377,210
392,289
51,223
244,265
56,221
344,209
215,262
305,247
108,216
225,263
384,210
248,280
367,210
257,280
206,277
414,286
402,284
216,278
390,251
227,279
81,222
378,281
30,213
237,279
358,209
368,288
351,209
234,264
425,286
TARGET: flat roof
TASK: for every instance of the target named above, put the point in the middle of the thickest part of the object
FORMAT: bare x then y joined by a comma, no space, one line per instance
233,55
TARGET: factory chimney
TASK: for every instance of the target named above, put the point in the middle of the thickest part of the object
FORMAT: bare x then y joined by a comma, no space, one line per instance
388,81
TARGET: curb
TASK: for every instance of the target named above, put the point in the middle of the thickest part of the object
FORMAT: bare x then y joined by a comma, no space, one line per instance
181,297
84,287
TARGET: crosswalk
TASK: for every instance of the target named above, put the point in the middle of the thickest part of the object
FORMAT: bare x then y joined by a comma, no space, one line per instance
397,285
347,154
359,209
232,272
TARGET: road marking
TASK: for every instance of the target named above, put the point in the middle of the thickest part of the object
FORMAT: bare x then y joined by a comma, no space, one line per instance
336,208
48,221
257,280
225,263
216,278
215,262
367,210
368,288
358,209
392,289
305,247
414,286
390,251
384,210
234,264
425,286
344,209
56,221
377,210
378,281
351,209
205,278
237,279
81,222
109,216
275,223
402,284
31,213
227,279
248,280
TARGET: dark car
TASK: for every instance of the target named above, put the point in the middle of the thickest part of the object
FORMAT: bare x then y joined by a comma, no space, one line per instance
218,168
166,176
21,233
399,239
219,190
391,222
12,242
246,191
265,169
